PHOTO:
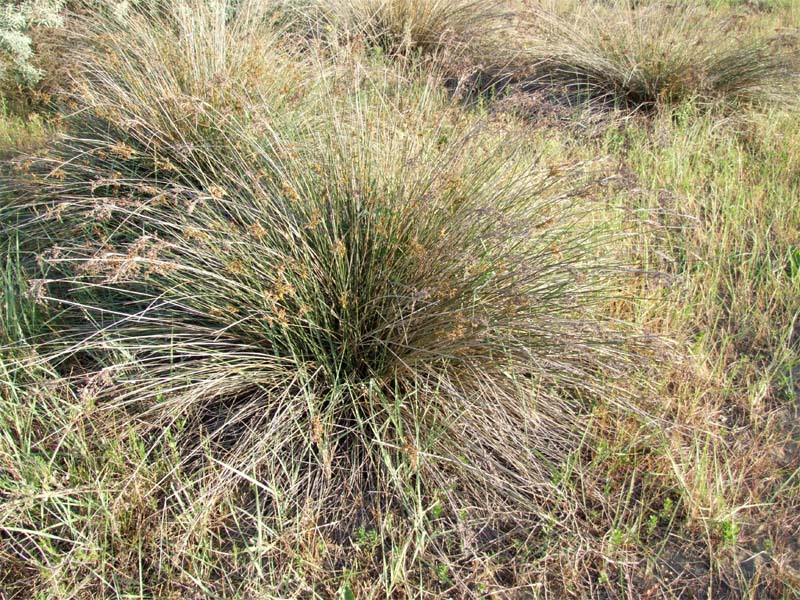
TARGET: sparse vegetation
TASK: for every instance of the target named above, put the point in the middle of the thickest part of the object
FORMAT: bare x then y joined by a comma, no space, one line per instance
286,319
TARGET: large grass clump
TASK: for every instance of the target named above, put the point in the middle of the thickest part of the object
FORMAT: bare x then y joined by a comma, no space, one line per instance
337,311
642,55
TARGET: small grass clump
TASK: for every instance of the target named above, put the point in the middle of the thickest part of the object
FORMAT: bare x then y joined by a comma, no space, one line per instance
657,54
365,321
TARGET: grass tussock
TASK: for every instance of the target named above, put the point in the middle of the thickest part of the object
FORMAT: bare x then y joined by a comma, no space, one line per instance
404,27
368,313
659,53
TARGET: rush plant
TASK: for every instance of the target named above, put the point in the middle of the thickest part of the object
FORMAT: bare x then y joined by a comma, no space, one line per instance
341,309
659,53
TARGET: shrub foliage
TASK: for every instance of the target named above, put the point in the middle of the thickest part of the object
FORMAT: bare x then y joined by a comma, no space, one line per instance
16,18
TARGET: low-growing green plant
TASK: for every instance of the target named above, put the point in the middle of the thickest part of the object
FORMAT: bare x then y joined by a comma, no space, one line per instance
19,133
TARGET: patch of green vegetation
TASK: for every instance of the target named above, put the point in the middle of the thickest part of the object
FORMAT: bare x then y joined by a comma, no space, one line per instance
20,132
